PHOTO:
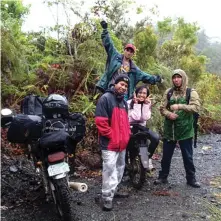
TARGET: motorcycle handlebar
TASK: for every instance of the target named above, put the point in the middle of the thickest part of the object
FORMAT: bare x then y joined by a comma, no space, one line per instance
6,117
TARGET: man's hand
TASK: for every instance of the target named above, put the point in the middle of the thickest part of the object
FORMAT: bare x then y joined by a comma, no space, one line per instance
172,116
159,79
174,107
103,24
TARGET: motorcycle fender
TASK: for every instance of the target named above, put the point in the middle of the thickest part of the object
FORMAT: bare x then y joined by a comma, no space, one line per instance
144,157
59,176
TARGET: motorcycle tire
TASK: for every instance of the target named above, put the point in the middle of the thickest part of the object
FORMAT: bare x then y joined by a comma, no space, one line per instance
137,172
63,199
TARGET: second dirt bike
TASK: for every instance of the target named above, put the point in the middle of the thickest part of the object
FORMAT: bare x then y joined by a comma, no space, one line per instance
137,160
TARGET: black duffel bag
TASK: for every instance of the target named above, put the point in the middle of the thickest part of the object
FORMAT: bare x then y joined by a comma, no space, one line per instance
76,126
32,105
57,140
25,129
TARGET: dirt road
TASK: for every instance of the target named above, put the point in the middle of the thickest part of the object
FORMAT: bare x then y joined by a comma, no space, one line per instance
23,199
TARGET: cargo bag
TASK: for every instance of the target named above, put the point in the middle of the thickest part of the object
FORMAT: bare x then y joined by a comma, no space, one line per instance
25,129
77,127
57,140
32,105
74,126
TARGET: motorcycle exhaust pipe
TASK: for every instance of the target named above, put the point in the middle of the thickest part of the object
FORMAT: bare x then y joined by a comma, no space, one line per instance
81,187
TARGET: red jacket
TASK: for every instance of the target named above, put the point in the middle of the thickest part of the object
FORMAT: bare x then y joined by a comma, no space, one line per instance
111,119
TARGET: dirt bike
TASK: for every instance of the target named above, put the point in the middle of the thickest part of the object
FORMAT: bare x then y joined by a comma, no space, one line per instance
50,147
137,160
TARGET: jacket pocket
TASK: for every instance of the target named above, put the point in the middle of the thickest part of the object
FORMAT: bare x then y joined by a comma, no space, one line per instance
104,142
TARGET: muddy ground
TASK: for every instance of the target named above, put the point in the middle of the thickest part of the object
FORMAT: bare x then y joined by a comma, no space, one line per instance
22,196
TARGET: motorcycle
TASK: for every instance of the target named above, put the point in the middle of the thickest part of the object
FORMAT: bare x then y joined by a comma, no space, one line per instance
51,141
137,159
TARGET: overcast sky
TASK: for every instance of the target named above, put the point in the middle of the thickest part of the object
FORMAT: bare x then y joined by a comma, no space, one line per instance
206,13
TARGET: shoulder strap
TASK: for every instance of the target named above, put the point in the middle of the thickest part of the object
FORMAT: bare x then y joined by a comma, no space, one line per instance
169,94
188,92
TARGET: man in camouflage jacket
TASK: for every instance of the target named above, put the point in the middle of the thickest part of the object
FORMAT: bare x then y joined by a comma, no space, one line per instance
178,127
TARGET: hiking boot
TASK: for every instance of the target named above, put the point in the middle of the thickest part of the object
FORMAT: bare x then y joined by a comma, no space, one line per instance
150,167
107,205
161,181
121,194
193,184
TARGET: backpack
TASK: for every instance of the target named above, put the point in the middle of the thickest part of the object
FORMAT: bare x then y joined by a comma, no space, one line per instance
32,105
195,115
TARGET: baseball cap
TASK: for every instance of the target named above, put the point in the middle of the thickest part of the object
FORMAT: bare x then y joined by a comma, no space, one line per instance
130,46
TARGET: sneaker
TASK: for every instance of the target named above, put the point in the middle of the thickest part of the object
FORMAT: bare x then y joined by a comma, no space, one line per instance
193,184
107,205
161,181
121,194
151,167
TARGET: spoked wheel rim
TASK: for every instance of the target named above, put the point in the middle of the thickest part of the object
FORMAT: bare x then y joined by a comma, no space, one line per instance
137,173
57,201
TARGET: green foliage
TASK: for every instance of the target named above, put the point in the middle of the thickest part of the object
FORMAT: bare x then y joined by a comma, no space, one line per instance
212,50
164,27
145,41
186,32
178,52
72,62
209,87
13,60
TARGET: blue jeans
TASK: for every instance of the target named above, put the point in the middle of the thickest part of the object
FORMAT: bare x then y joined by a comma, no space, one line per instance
187,154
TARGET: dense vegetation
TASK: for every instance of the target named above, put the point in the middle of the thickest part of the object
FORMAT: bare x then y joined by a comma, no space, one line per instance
72,62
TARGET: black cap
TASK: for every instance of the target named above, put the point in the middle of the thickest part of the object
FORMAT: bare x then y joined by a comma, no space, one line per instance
122,77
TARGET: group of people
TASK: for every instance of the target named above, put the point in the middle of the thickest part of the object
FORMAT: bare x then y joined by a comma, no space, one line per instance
122,104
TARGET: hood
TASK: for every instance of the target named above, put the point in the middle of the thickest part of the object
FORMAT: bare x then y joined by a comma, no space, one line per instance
184,79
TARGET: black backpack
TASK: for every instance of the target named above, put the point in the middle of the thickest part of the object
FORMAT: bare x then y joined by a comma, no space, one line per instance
32,105
195,115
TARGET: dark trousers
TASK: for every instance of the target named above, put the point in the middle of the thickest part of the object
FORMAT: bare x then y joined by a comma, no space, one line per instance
187,154
151,136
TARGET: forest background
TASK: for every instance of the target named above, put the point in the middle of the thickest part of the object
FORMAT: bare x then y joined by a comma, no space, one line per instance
72,61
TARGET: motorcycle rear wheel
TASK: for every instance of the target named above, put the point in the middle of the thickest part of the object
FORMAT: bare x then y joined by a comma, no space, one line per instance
137,172
63,199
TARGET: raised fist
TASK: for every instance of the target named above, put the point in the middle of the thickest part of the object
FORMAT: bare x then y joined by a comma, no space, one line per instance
104,24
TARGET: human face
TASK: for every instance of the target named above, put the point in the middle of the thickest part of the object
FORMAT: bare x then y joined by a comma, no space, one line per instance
121,87
142,95
177,80
128,53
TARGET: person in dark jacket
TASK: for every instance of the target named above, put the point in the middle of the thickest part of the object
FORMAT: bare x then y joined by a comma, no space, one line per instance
122,63
178,127
112,122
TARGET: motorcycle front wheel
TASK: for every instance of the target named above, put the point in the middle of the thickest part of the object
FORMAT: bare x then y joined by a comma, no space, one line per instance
63,199
137,172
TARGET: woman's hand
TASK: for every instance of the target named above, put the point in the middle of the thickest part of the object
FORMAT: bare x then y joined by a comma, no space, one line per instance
135,99
148,99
